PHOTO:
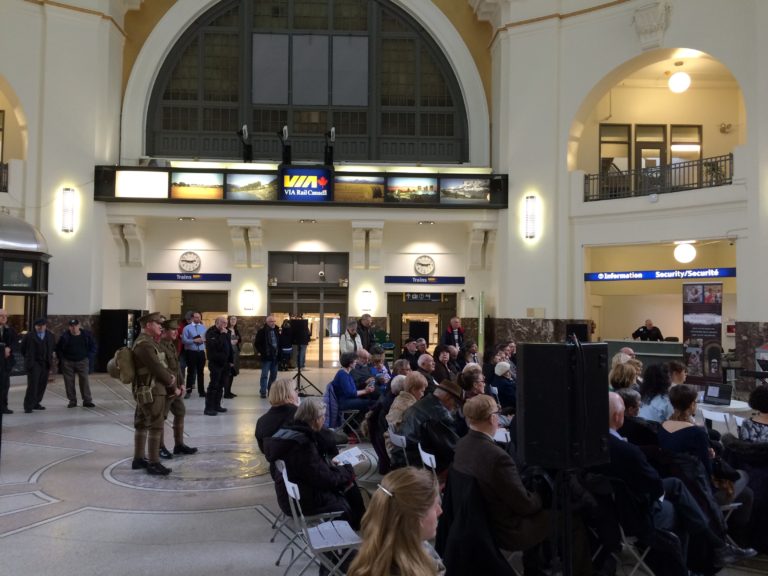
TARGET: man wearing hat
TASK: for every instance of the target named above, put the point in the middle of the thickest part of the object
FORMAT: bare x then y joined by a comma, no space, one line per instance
37,348
432,421
74,349
505,384
152,384
174,404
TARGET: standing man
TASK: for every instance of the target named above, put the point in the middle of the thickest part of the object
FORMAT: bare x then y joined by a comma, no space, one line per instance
38,348
174,404
74,348
266,344
220,362
366,332
648,332
193,338
7,348
454,334
153,382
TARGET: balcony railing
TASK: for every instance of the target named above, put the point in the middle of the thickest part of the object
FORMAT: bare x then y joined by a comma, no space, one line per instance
706,173
3,177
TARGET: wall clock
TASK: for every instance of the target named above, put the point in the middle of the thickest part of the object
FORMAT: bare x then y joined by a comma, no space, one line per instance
190,261
424,265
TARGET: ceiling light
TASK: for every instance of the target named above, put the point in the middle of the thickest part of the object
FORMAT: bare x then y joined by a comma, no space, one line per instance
679,82
685,252
686,148
186,219
305,221
430,222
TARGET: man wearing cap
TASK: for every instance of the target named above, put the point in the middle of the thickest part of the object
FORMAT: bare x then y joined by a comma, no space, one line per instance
411,353
174,404
8,345
74,348
505,384
152,383
432,422
37,348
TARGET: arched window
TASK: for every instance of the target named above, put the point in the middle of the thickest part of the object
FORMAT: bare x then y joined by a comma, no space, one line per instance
363,67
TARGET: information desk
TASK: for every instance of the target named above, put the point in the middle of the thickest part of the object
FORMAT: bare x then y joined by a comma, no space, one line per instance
648,352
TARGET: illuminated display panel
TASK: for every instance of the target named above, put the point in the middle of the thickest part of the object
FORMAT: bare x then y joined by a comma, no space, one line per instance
411,190
197,186
141,184
252,187
359,188
306,184
465,190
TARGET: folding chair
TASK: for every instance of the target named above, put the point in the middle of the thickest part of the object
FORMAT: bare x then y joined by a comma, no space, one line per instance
399,441
347,423
428,459
713,417
502,435
328,544
737,421
727,510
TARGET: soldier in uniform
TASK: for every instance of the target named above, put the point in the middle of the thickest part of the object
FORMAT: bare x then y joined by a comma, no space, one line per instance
152,383
174,404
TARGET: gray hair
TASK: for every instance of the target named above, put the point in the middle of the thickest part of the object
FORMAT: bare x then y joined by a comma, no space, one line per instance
310,410
631,397
397,383
351,323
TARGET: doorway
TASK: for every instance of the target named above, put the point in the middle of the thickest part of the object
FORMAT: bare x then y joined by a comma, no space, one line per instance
408,311
210,304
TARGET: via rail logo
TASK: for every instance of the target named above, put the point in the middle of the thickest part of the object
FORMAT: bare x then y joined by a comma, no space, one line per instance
306,185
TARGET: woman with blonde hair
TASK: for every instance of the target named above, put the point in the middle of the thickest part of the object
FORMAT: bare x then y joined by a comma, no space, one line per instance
401,518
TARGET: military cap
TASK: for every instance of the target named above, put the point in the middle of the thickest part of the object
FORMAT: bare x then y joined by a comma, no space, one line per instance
41,321
151,317
171,325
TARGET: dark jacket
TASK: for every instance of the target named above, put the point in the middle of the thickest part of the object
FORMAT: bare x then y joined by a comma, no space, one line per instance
516,516
62,346
450,340
285,341
218,347
642,333
274,419
430,423
304,452
413,359
261,343
441,372
507,390
36,351
639,431
10,340
366,336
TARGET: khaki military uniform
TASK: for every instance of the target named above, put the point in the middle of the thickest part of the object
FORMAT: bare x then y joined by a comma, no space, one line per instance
174,404
152,371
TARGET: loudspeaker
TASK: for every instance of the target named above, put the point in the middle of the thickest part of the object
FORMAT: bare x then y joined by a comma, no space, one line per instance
581,331
562,405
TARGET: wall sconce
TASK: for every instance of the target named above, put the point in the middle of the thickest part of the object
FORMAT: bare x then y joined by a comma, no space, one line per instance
26,271
366,300
685,251
343,282
272,281
725,128
248,299
531,216
68,210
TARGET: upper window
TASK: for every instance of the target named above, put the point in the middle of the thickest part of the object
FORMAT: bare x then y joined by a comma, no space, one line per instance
363,67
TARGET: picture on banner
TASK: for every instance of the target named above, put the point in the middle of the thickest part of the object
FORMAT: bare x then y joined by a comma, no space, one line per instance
702,332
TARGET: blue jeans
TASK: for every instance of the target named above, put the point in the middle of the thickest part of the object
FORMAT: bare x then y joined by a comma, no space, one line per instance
268,374
301,355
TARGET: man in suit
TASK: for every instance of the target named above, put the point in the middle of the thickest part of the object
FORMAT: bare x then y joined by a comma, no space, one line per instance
517,517
7,348
37,348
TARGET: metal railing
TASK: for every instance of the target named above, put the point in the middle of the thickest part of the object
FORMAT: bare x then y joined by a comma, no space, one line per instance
705,173
3,177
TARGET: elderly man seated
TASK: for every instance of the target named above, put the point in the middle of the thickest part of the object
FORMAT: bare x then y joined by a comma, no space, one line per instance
426,368
432,421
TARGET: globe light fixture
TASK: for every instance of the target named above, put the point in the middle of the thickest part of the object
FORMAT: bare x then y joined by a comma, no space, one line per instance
685,252
679,82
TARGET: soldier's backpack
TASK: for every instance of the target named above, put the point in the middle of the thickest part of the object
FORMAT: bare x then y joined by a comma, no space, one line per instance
121,365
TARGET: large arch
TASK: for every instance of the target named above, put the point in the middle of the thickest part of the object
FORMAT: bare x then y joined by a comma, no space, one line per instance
182,14
15,118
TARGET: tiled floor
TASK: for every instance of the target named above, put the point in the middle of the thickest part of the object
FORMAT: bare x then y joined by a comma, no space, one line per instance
70,505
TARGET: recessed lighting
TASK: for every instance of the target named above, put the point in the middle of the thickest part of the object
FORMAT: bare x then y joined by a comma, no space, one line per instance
307,221
186,219
430,222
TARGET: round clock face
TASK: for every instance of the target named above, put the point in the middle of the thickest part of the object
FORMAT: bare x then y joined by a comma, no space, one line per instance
190,261
424,265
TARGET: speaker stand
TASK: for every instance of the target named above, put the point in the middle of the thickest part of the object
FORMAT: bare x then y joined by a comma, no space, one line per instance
302,388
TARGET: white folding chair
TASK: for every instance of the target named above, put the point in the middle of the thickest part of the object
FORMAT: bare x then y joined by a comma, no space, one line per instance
330,543
348,423
502,435
737,421
713,417
727,510
428,459
399,441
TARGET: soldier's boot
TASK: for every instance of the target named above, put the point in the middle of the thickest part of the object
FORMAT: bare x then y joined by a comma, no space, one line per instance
178,438
154,439
139,449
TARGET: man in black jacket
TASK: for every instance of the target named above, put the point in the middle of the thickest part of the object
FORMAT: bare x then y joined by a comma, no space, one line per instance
267,344
220,361
37,348
75,348
8,345
648,332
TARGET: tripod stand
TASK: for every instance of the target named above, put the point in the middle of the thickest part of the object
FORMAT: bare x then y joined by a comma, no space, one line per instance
302,388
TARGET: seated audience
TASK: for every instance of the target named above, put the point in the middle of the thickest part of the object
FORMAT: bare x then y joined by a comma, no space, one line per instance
396,529
638,366
653,391
677,372
637,430
442,370
401,366
505,384
283,400
324,487
492,357
472,381
432,421
414,386
347,394
453,361
468,354
517,518
361,371
755,429
426,369
411,353
622,376
379,369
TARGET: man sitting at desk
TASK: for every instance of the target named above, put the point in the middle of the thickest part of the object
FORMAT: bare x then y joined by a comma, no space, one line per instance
648,332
